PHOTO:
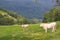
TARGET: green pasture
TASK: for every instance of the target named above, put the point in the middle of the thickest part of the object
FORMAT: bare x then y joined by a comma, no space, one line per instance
33,32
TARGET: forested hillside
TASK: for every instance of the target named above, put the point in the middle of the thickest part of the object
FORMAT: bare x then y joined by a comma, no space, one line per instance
10,17
52,15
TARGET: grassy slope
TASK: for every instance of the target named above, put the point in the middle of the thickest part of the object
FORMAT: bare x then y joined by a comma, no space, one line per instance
10,14
34,32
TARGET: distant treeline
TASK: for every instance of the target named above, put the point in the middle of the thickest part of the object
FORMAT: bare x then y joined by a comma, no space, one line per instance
52,15
9,18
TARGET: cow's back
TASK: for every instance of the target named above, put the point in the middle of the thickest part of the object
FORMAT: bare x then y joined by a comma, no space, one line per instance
53,23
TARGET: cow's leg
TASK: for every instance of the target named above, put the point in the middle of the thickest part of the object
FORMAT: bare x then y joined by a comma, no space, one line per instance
53,29
46,30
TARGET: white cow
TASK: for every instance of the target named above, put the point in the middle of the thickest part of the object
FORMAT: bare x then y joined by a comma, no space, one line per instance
49,25
25,25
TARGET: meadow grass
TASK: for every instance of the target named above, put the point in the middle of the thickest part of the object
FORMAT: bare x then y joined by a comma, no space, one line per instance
33,32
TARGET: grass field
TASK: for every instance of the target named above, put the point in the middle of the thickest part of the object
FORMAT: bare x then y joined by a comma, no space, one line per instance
33,32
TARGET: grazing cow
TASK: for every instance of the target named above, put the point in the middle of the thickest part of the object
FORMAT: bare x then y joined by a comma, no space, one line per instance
25,26
49,25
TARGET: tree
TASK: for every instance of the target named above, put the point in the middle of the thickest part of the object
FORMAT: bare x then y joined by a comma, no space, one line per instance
52,15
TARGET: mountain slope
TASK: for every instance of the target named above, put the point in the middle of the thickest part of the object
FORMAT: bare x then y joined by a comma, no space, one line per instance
9,17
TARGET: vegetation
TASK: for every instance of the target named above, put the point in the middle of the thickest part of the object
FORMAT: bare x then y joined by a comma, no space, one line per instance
9,18
52,15
33,32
